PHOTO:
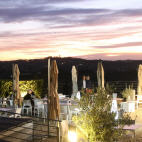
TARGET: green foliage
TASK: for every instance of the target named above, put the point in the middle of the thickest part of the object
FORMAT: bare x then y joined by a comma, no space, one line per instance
5,88
97,121
35,85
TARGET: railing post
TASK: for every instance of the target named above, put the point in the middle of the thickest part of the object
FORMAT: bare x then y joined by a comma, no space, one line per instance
58,132
48,128
33,131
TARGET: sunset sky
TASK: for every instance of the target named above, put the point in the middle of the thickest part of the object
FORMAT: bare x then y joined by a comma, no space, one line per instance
90,29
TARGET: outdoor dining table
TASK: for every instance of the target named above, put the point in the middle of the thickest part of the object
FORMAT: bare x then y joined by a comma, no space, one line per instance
5,111
128,106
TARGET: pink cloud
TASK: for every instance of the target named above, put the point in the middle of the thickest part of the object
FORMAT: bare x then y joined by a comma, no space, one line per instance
124,56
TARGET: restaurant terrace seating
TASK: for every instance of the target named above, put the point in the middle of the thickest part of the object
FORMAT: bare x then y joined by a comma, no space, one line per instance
27,106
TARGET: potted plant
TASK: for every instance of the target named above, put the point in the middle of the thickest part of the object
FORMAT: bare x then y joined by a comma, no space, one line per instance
128,94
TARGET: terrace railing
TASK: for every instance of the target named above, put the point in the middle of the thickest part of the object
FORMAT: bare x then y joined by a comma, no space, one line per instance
28,128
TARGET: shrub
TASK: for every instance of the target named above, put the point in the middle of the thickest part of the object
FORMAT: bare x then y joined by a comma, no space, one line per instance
97,121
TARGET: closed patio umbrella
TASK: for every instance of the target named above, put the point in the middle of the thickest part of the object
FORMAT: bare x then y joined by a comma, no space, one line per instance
16,90
74,82
100,75
54,105
139,91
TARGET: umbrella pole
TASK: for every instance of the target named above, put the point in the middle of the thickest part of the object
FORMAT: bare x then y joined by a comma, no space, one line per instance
13,85
48,94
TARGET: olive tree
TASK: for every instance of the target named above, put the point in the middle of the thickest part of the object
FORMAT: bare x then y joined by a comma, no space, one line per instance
96,120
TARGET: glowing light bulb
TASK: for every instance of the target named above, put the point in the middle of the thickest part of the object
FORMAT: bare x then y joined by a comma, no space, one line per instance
72,136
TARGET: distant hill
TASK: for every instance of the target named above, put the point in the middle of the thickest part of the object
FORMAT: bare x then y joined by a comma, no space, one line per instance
35,69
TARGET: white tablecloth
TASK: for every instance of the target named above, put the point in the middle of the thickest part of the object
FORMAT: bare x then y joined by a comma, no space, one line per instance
128,106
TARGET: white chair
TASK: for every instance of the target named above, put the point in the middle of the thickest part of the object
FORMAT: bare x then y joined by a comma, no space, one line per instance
11,102
0,101
27,106
38,107
4,101
139,100
35,105
45,110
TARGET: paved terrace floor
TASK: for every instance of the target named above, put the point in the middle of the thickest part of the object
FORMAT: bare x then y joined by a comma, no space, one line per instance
13,129
25,130
7,136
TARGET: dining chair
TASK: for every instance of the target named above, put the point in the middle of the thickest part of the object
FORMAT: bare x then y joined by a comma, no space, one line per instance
27,106
38,107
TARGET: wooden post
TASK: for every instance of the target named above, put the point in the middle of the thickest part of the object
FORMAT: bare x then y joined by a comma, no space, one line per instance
48,97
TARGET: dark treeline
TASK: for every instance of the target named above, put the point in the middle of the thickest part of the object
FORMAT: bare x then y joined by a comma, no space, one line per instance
37,69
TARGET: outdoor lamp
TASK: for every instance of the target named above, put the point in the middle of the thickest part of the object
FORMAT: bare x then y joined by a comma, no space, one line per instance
72,136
